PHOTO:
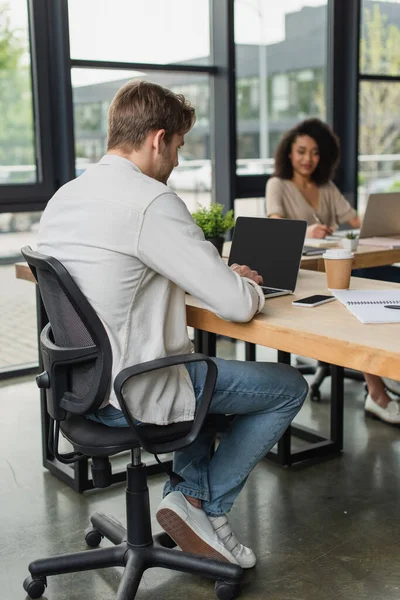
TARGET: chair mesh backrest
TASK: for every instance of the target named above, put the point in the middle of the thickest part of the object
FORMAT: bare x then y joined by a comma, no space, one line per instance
67,328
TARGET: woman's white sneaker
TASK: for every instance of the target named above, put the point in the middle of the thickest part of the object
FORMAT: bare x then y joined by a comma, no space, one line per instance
393,386
390,414
245,556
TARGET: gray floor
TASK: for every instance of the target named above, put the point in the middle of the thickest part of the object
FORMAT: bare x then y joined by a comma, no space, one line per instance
327,531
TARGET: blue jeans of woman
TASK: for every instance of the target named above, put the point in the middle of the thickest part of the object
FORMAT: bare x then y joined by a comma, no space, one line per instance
265,397
384,273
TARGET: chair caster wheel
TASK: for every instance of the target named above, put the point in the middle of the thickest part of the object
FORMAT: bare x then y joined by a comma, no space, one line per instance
315,395
35,587
225,590
93,537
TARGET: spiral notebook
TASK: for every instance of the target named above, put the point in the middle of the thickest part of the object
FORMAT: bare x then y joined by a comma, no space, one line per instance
369,306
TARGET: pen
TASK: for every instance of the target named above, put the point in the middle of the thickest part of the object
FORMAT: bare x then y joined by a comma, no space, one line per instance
317,219
392,306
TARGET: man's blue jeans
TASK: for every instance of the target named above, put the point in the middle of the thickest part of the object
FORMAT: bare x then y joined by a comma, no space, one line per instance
265,397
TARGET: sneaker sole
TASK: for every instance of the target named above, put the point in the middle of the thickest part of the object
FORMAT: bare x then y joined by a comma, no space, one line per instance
185,537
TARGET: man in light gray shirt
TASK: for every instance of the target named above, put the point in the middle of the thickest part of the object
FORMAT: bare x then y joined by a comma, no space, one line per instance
133,248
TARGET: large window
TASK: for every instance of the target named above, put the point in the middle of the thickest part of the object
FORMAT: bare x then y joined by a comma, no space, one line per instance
51,131
18,171
281,54
379,99
17,148
150,31
192,178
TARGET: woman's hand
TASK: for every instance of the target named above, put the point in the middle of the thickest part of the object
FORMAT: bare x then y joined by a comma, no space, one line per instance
318,231
245,271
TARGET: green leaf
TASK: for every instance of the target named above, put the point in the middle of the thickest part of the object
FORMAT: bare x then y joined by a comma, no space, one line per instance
213,221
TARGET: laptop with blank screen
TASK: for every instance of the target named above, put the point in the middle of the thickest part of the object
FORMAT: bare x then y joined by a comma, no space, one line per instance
381,220
273,247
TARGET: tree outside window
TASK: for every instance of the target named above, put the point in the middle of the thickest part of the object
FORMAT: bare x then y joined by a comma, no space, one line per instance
17,150
379,125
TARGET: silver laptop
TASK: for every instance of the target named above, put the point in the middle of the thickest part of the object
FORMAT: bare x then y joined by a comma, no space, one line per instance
381,218
273,247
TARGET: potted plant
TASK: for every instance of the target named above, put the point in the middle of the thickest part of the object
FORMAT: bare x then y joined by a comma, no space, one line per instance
214,223
350,242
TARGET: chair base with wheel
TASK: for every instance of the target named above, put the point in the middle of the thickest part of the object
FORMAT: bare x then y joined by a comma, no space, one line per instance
135,548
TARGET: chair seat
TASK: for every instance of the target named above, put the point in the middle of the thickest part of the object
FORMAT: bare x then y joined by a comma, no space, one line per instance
94,439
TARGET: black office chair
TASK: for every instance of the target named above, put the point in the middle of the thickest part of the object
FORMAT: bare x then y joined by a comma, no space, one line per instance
77,373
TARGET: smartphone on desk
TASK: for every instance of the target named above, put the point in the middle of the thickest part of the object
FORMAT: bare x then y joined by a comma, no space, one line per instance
312,301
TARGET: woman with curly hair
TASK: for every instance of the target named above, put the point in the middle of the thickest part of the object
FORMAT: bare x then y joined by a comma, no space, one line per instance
301,188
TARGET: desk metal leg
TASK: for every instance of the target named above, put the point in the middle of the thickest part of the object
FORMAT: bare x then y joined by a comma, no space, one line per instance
209,344
318,445
205,342
337,406
283,456
198,341
250,351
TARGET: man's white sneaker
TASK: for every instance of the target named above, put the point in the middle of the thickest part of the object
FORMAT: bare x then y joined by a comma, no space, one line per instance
245,556
390,414
190,528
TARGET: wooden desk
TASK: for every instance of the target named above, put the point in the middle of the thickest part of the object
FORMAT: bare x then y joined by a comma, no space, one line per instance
329,333
366,256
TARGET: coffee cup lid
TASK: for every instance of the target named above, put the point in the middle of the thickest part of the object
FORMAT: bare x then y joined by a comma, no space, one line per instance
337,253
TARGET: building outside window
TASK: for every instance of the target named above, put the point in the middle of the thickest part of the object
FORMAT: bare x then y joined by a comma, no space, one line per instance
282,49
247,98
169,44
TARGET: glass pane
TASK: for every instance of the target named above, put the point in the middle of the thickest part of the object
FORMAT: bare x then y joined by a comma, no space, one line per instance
154,31
379,140
17,149
281,74
192,178
18,332
380,37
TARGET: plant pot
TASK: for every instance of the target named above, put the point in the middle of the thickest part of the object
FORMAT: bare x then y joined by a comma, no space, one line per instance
218,242
349,244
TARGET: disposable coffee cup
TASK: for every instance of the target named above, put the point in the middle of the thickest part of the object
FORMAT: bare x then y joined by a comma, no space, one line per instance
338,266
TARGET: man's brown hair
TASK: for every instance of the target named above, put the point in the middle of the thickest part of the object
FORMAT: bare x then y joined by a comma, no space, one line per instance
140,107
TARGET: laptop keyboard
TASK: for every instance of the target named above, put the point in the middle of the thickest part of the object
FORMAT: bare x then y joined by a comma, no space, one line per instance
268,290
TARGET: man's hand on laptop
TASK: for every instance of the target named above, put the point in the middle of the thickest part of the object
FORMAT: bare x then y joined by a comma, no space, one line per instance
245,271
